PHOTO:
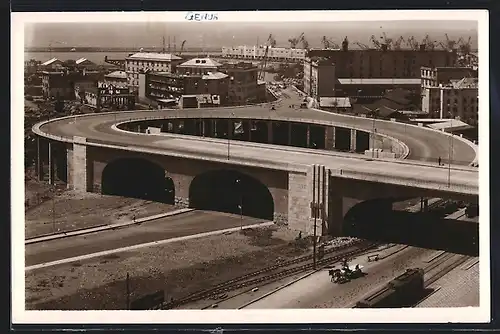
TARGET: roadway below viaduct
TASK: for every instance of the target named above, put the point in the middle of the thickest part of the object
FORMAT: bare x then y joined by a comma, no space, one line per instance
92,144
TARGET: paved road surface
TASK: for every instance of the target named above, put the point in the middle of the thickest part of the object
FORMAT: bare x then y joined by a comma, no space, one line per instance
424,144
170,227
317,290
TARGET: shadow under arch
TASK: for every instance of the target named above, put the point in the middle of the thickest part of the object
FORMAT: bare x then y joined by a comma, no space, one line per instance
374,221
227,190
137,178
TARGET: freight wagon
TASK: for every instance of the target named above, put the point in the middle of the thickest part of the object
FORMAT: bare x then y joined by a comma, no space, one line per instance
402,291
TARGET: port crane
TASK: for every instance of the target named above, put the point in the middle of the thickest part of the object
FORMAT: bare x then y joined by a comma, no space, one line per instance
182,47
305,43
329,44
397,43
428,43
465,47
362,46
269,43
450,44
387,41
412,43
295,40
375,42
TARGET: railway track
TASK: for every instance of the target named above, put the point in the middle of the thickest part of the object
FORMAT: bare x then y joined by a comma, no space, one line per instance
289,268
438,268
260,276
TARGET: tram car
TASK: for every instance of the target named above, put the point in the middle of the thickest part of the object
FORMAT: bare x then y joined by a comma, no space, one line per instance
402,291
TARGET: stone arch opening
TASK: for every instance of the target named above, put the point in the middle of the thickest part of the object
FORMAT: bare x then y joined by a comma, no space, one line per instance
231,191
137,178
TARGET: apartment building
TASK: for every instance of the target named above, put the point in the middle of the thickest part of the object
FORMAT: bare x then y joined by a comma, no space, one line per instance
166,87
319,77
433,77
243,83
148,61
456,99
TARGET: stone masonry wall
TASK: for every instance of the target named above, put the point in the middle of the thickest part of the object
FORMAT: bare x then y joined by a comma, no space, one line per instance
80,168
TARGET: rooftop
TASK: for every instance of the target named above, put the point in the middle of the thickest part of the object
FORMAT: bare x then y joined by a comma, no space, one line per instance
154,56
51,61
200,62
381,81
83,61
214,76
334,102
465,83
117,75
449,124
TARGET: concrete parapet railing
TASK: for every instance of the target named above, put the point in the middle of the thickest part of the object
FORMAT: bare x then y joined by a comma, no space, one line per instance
468,142
247,144
411,181
402,149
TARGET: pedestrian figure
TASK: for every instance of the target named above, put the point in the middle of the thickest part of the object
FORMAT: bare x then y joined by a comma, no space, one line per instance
134,218
300,234
439,161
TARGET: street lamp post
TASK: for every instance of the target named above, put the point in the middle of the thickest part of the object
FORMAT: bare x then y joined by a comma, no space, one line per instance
373,137
450,154
240,206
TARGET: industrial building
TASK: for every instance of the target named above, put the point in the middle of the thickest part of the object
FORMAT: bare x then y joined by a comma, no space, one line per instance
144,61
377,63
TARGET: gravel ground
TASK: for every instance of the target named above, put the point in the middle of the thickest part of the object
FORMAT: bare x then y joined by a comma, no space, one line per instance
459,288
71,210
177,268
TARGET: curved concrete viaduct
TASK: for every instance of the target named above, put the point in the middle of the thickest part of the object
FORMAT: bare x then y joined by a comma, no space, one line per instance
88,143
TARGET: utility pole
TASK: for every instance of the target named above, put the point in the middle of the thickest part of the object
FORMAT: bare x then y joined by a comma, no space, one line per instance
53,211
373,137
450,154
128,291
238,182
313,207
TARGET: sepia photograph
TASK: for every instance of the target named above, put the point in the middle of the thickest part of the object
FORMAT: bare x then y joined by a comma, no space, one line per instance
250,165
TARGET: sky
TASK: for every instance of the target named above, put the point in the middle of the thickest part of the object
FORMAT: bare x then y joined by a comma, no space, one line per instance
217,34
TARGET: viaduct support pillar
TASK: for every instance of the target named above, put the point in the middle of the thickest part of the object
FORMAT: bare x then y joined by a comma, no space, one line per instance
39,161
79,165
330,138
289,138
270,132
353,140
249,123
51,163
308,136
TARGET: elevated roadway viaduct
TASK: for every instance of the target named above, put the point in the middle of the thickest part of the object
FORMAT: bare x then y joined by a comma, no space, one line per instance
265,181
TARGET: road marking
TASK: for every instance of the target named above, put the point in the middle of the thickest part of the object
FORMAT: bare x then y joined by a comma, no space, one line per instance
148,244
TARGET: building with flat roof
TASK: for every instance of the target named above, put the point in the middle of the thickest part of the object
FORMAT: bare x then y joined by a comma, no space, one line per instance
375,63
257,52
198,66
165,86
61,84
319,77
243,82
148,61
